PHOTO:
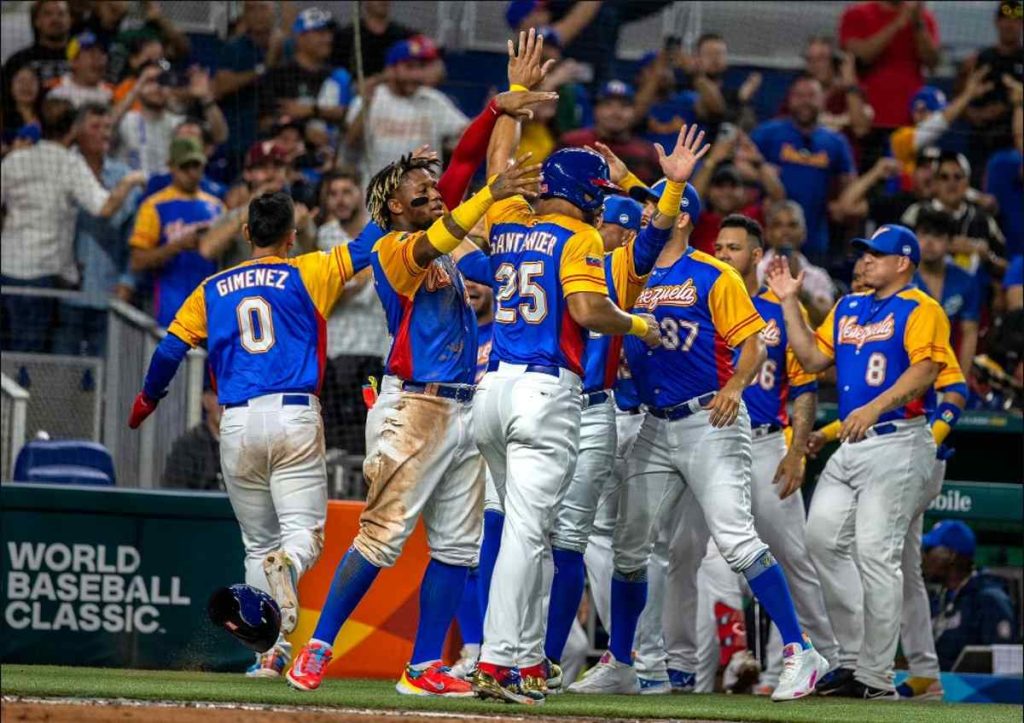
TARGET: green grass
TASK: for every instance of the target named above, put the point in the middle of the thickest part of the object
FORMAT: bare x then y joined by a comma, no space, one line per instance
54,681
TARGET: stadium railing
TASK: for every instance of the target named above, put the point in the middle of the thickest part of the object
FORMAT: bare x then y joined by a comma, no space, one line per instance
12,423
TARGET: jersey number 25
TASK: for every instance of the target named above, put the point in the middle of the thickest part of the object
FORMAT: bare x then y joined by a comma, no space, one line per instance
534,307
255,324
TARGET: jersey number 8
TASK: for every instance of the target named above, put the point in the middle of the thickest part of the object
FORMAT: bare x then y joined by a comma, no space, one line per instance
875,374
521,280
255,324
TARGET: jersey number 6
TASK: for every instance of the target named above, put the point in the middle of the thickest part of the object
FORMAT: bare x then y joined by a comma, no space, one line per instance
255,324
534,307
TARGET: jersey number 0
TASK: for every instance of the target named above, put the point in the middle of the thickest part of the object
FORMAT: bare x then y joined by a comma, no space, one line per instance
255,324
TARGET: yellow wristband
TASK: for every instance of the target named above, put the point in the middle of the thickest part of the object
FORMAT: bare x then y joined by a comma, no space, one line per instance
631,181
831,430
668,204
638,326
467,213
940,430
516,88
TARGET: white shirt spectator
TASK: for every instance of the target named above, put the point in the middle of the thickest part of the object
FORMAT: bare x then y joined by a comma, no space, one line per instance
144,143
79,95
357,326
42,188
817,283
397,125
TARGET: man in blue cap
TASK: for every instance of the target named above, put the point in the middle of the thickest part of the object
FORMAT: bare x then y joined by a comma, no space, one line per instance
888,348
973,607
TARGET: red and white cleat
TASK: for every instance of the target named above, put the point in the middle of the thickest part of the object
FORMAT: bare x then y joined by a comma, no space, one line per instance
308,671
435,680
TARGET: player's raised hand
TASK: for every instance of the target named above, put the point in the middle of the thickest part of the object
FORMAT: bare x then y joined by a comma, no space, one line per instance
524,62
690,148
521,178
789,475
857,423
517,103
617,170
653,336
781,280
725,407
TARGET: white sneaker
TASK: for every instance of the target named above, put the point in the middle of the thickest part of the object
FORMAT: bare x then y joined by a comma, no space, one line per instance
270,664
801,668
609,676
467,662
281,578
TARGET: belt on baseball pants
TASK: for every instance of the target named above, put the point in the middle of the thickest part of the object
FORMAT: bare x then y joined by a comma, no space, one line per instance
764,430
535,368
880,430
456,392
591,399
287,400
684,410
631,411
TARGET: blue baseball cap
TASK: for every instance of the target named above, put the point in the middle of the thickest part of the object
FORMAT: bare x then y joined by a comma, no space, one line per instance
418,47
690,202
615,89
952,534
517,11
892,240
928,98
623,211
83,41
311,19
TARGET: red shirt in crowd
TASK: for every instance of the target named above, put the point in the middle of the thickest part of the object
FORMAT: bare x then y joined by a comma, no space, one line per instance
896,75
706,231
638,154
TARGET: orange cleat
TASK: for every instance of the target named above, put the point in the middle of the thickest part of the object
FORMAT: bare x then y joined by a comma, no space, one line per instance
308,671
435,680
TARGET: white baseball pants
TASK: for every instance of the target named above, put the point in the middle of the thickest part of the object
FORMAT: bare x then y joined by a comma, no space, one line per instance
528,431
860,515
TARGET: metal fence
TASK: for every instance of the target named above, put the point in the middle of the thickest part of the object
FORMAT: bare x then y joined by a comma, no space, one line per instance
65,393
13,410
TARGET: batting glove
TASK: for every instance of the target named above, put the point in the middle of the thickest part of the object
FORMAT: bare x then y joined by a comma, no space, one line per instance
944,452
142,407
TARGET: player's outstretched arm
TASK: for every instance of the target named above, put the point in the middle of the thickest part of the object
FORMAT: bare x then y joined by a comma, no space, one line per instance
596,312
801,338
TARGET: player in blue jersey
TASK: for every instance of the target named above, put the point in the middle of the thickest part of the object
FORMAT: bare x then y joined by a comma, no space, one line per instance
696,432
888,349
264,324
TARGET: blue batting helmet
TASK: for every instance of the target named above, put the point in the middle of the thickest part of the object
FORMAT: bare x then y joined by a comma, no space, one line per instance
579,176
251,615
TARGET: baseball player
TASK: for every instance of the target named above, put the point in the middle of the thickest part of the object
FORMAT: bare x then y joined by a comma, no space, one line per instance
888,349
628,258
263,321
420,453
944,406
696,431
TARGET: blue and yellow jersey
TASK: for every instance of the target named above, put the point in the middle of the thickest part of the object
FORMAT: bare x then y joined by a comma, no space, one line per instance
601,361
704,312
626,395
781,375
874,341
264,320
484,337
162,217
536,263
432,325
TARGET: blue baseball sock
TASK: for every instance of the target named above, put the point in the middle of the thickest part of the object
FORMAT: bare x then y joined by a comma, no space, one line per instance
494,524
629,596
440,593
566,592
471,625
352,579
769,585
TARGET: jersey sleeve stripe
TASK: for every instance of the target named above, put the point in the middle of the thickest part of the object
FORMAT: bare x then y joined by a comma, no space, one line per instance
731,336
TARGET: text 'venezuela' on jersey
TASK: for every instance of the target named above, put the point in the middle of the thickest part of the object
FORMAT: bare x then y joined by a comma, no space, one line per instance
874,341
704,312
601,360
780,376
537,261
265,321
429,316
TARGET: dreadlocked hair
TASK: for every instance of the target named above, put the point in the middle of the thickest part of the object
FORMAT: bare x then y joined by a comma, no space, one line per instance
387,180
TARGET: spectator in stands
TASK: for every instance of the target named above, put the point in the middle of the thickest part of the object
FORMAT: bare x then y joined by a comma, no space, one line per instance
614,118
197,129
1013,283
1004,178
168,228
103,20
869,197
785,235
978,243
41,190
142,53
972,606
402,112
51,24
84,83
153,25
955,289
846,108
378,33
710,64
101,244
661,107
241,64
194,460
22,108
292,89
357,336
893,43
990,114
144,135
812,159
